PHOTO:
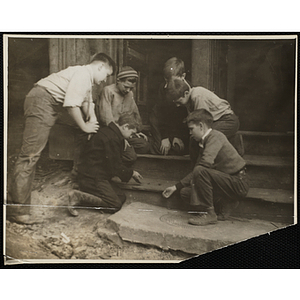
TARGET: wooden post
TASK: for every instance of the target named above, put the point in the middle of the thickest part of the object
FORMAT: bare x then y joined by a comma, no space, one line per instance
202,63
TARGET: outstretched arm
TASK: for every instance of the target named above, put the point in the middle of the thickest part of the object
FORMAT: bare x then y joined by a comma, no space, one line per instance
168,192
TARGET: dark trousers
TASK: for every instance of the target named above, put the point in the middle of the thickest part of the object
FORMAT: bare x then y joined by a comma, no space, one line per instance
227,124
209,184
111,195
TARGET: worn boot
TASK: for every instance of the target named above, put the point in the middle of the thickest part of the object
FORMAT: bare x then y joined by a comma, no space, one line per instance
204,218
25,219
77,198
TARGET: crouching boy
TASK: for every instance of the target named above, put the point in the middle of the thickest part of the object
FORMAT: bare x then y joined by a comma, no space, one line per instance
219,172
224,119
101,160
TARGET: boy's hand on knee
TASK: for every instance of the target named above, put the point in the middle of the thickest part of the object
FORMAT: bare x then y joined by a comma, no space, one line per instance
179,142
126,145
137,176
165,146
169,191
142,135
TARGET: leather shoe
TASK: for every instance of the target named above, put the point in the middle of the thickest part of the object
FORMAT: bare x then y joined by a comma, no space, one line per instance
203,219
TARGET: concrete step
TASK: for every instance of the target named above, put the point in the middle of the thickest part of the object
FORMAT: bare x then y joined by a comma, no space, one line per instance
267,204
264,171
169,229
158,186
61,143
251,160
268,143
264,143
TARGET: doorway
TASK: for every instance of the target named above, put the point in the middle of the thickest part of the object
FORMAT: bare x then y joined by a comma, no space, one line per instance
261,83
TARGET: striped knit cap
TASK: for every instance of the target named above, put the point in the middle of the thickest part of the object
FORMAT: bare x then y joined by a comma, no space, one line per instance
127,72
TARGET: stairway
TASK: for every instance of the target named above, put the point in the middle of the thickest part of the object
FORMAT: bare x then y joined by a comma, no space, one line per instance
270,167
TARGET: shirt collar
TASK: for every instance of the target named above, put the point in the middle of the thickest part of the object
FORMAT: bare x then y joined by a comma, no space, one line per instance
204,136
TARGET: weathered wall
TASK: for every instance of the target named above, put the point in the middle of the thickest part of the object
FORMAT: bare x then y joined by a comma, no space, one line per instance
65,52
257,77
202,63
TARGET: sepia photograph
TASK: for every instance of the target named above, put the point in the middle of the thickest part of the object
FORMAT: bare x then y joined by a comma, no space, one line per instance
146,148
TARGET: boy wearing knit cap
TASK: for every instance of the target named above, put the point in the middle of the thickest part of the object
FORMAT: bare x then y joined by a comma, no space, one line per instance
218,173
117,99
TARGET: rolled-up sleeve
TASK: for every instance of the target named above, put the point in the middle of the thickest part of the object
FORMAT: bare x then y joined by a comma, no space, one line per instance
79,90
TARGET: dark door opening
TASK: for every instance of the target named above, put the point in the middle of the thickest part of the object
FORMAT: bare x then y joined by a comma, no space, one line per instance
28,61
261,83
148,58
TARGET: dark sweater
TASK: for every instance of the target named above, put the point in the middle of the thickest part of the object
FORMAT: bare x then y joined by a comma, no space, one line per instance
217,153
167,118
102,156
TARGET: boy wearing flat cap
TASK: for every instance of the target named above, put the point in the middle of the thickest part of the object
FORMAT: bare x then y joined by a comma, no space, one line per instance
117,99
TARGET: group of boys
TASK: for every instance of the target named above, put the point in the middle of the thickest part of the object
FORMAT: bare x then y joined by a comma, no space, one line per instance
111,135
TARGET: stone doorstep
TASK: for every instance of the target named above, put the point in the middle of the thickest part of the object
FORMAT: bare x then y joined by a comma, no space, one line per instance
251,160
158,186
169,229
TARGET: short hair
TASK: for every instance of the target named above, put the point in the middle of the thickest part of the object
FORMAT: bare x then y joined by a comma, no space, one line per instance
132,119
106,59
176,89
200,115
173,67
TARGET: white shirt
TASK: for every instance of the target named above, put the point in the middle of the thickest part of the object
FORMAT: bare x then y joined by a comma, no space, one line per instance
71,86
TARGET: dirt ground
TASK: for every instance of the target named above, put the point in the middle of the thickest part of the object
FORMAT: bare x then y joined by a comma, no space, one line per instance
62,236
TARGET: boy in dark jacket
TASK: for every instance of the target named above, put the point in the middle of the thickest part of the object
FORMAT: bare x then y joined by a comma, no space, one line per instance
219,171
100,162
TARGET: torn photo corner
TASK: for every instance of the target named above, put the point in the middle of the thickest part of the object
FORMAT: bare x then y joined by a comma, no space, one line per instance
70,186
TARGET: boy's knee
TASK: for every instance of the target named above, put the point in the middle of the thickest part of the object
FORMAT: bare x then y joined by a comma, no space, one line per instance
140,145
145,148
199,170
185,193
119,201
